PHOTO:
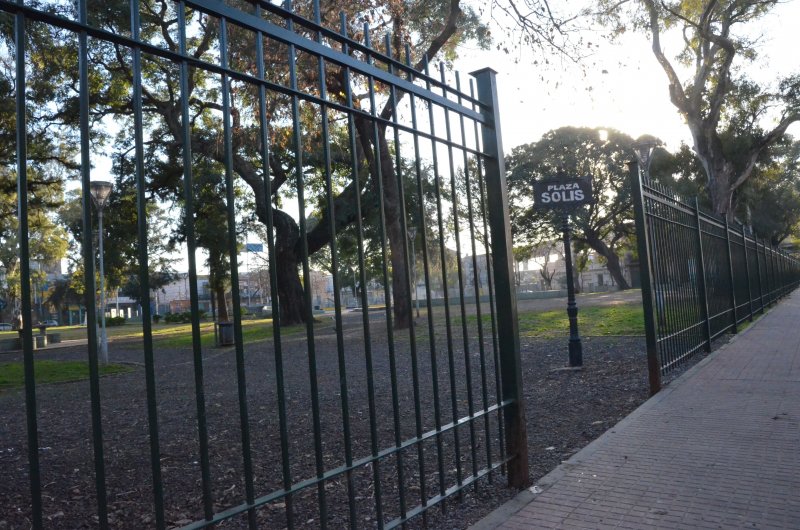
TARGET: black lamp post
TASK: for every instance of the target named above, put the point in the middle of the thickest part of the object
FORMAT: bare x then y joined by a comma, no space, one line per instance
575,344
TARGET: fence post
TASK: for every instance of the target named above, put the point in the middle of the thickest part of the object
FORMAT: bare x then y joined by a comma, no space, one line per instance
701,277
770,273
784,291
735,328
776,275
760,283
506,300
747,273
645,274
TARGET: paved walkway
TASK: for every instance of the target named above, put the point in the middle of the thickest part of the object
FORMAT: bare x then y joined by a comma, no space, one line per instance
719,448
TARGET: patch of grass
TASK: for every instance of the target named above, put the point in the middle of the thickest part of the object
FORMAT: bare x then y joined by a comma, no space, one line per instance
625,319
596,321
180,336
174,335
12,375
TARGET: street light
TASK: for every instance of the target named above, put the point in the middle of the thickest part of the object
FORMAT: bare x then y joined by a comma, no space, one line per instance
412,235
100,191
644,155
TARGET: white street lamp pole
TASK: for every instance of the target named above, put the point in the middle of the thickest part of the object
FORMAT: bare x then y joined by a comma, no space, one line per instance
412,235
100,191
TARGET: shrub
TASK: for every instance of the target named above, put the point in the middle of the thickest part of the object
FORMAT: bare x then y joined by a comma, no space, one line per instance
156,318
178,318
112,321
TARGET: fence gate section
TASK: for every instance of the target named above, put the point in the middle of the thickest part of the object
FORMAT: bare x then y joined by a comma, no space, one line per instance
381,376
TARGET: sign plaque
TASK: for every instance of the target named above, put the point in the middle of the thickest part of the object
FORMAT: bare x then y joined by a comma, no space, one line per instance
562,192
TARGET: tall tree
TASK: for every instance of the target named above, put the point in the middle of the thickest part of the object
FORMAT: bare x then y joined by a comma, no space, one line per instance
716,96
770,199
433,27
605,224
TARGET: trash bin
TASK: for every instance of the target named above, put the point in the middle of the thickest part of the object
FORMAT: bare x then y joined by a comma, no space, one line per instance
225,334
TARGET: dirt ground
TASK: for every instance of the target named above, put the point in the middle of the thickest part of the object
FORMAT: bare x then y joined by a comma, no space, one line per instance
394,401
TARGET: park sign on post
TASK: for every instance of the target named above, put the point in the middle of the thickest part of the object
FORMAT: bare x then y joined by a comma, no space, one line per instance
566,194
562,192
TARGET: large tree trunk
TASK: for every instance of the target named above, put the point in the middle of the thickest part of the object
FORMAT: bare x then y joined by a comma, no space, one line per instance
614,267
612,260
396,235
291,299
222,306
720,191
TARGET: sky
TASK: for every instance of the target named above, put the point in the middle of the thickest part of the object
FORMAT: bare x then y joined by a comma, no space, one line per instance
624,87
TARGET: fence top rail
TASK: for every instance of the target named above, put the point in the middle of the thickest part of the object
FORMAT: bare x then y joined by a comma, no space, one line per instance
664,196
363,48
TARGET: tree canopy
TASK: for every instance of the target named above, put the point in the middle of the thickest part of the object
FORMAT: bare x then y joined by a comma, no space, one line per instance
716,97
605,225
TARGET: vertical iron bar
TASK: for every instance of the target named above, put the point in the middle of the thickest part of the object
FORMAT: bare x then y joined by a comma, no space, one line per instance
362,278
378,178
758,271
423,229
460,277
476,285
144,274
337,302
412,336
26,336
312,354
88,260
767,282
701,277
490,284
241,382
784,292
645,272
191,243
734,324
774,268
747,273
445,287
508,326
273,278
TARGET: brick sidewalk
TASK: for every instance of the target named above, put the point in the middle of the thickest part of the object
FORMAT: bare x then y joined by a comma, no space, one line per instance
719,448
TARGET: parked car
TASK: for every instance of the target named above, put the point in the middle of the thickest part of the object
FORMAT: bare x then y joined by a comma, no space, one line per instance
4,326
50,323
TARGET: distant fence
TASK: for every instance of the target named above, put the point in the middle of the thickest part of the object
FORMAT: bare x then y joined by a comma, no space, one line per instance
701,276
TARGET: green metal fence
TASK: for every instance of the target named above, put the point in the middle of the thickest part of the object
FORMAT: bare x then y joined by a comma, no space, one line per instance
355,420
701,276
